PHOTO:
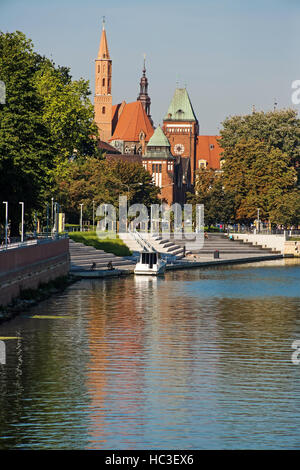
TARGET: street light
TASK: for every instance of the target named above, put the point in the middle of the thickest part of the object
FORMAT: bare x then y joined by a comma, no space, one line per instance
56,218
47,214
258,223
93,214
6,221
81,217
52,213
128,186
22,221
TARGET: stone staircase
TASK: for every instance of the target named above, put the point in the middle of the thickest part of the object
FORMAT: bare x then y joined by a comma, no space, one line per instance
167,246
82,257
220,242
137,241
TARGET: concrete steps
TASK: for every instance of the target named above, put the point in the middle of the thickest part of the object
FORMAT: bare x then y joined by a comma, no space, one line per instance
82,257
221,243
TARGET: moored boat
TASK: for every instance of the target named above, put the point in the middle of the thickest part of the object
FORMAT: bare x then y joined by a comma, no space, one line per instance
150,263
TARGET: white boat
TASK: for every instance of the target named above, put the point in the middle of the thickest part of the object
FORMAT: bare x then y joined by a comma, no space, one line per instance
150,263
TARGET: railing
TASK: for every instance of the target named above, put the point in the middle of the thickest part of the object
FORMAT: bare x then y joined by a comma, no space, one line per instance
144,244
266,231
39,239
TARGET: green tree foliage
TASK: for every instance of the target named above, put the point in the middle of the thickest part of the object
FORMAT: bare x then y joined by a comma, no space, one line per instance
260,176
261,165
85,180
278,129
46,116
67,111
209,190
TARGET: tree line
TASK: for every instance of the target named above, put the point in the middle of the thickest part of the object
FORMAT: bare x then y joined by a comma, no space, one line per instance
259,170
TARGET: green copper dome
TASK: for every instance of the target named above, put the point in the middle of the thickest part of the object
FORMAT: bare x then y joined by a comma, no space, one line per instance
180,108
158,139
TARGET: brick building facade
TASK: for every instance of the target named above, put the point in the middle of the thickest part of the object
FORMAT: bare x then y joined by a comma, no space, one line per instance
172,153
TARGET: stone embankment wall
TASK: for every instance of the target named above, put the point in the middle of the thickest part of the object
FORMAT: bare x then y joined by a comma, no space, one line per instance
274,242
292,248
30,266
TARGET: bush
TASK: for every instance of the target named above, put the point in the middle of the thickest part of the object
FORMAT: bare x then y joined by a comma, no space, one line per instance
109,245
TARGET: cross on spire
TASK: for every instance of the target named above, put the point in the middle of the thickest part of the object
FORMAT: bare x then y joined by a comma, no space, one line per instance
103,22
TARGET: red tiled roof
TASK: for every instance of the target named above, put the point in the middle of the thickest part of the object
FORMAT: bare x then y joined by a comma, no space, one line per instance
208,149
116,111
106,147
132,120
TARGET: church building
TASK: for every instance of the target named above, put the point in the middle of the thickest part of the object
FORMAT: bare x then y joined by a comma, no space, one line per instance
172,153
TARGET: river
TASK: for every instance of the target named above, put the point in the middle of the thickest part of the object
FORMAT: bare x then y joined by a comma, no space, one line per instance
197,359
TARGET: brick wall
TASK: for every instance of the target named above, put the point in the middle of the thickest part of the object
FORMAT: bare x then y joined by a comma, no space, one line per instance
27,267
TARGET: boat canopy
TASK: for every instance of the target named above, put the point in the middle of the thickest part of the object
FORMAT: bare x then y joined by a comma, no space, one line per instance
149,258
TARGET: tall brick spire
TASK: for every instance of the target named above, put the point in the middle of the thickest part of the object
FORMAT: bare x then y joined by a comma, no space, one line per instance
103,98
103,47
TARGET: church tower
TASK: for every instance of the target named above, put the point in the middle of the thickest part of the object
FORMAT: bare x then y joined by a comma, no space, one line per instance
181,127
143,97
103,98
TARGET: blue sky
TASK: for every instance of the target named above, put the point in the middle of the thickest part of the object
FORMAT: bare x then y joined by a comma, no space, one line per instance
230,54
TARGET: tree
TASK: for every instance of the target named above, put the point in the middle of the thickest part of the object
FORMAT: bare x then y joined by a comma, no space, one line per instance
46,116
209,191
67,111
259,176
278,129
25,156
103,181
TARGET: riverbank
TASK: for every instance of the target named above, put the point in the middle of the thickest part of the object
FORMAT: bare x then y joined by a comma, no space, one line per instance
182,264
31,297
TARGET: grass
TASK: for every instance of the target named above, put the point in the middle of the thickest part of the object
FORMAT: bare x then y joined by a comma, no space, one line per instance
109,245
294,239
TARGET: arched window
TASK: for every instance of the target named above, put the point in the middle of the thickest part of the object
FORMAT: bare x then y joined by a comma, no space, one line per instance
103,109
103,81
98,68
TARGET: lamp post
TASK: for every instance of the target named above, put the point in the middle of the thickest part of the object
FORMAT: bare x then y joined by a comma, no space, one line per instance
81,217
93,214
258,222
57,219
22,221
52,212
6,221
47,212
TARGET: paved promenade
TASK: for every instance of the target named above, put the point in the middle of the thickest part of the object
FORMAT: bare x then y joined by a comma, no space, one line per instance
83,257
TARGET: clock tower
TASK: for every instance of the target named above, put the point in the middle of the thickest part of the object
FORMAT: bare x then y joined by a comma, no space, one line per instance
181,127
103,97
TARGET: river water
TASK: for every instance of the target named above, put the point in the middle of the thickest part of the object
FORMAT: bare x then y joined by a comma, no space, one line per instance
198,359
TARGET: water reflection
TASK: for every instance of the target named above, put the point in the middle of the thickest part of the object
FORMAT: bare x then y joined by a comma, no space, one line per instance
197,359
